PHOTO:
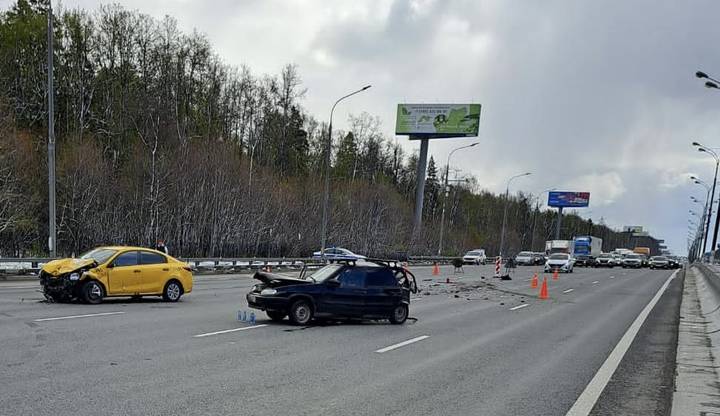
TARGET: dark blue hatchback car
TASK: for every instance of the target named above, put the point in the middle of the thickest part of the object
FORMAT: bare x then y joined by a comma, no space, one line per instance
372,289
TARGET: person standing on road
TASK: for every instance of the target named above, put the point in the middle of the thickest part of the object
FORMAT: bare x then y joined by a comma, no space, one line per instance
162,247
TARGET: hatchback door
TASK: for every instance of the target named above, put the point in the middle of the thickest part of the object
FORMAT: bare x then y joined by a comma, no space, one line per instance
347,298
383,292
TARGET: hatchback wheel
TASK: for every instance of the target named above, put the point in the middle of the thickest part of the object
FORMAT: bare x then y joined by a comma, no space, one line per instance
172,291
92,292
399,315
301,312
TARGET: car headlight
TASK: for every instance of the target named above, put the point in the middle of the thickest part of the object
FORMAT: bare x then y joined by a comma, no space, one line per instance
74,276
266,292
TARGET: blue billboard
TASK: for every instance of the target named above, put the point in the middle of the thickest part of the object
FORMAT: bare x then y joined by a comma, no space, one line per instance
564,199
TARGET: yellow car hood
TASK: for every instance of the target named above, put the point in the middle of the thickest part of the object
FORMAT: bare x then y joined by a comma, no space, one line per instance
62,266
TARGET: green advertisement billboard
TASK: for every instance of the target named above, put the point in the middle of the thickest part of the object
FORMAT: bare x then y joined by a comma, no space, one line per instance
424,121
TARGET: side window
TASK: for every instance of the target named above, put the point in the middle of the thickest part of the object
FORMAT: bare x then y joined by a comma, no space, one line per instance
147,257
381,278
126,259
352,278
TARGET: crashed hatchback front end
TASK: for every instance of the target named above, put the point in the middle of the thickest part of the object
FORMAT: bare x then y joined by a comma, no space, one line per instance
60,279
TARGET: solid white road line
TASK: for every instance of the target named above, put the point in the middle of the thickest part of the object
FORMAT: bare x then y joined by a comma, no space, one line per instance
568,291
612,277
595,282
78,316
19,287
402,344
585,403
225,331
524,305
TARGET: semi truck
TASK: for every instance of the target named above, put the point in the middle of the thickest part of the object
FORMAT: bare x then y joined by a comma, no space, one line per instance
642,250
588,245
559,246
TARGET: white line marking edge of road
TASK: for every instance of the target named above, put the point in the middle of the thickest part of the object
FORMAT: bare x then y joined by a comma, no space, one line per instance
225,331
78,316
524,305
587,399
568,290
402,344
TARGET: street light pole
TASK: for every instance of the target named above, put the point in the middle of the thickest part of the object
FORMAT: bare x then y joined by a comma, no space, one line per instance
504,223
712,153
326,193
445,195
52,231
708,209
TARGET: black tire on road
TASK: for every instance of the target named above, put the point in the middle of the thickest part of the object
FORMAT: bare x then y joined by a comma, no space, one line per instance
92,292
301,312
172,292
276,316
399,315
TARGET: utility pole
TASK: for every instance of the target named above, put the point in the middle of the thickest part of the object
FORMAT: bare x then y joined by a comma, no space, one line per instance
52,232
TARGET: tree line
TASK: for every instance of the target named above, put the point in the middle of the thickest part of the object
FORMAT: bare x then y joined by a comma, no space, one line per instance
159,138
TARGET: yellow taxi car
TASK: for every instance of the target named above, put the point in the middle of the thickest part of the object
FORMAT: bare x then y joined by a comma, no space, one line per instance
116,271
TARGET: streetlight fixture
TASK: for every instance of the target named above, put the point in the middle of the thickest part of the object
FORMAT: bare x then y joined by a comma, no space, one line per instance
445,194
328,150
705,149
507,191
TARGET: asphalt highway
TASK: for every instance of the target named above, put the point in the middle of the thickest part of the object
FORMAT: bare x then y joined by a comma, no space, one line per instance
474,346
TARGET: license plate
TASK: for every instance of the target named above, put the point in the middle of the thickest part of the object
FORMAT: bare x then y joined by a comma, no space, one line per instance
251,297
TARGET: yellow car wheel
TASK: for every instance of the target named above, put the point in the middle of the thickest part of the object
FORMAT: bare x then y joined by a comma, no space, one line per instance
93,292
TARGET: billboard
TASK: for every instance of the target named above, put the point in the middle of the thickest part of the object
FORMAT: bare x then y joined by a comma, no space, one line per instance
568,199
423,121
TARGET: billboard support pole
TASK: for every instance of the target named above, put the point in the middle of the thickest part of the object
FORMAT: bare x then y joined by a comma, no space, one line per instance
420,187
559,223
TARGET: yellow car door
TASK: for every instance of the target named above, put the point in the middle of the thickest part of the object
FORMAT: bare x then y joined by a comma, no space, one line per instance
155,271
124,274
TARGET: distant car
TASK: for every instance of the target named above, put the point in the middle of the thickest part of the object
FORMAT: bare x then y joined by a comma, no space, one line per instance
617,259
539,258
659,262
604,260
525,258
674,262
632,261
373,290
562,262
338,253
644,260
475,257
116,271
584,260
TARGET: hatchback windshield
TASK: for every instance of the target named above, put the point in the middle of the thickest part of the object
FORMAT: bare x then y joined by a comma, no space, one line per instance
559,256
659,258
322,274
633,256
100,255
525,254
473,253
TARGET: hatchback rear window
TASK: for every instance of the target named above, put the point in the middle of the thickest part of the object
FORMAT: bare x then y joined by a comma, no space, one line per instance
380,277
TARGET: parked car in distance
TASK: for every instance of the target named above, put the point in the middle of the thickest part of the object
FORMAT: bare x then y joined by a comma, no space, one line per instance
584,260
604,260
371,289
562,262
525,258
476,256
674,262
539,258
116,271
659,262
632,261
644,260
617,259
338,253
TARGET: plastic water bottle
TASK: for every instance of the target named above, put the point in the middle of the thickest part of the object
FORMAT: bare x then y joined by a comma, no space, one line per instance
244,316
239,315
252,318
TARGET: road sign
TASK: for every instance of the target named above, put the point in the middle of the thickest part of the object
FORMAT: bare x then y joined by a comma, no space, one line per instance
433,121
563,199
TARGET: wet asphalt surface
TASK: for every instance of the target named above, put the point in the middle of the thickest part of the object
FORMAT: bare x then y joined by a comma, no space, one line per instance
478,350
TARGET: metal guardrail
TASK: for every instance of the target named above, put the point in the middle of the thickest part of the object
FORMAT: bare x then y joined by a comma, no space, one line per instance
31,265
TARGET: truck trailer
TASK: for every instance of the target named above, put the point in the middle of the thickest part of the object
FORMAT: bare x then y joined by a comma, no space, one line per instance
588,245
559,246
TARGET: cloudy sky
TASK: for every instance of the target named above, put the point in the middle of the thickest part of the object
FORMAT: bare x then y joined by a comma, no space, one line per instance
588,95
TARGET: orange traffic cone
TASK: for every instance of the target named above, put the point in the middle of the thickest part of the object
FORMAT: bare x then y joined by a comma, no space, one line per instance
534,281
555,274
544,289
436,269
